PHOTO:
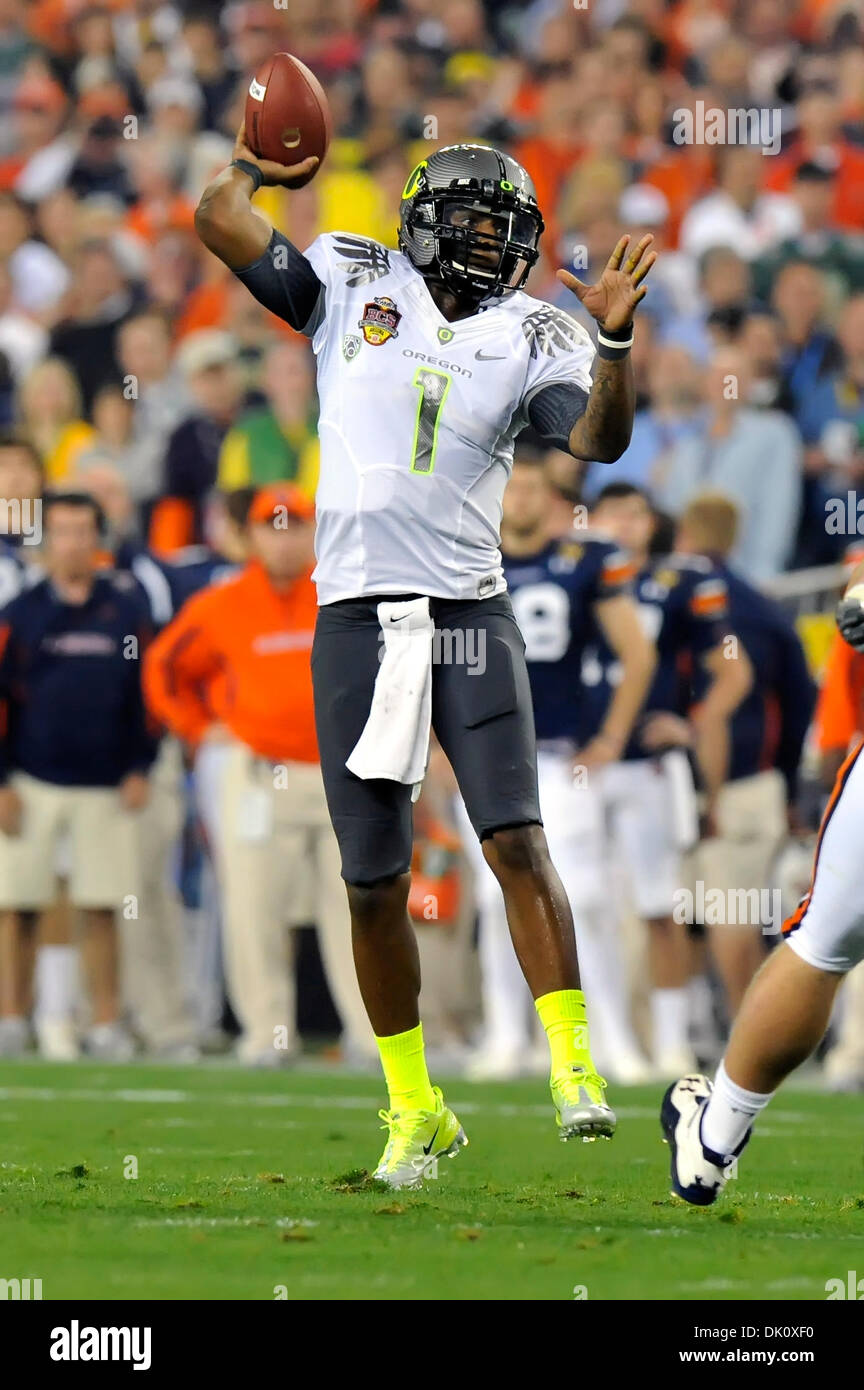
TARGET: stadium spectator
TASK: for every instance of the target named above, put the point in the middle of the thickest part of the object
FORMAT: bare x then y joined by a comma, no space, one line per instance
208,363
22,341
75,760
233,668
754,456
154,384
819,243
39,277
98,301
52,413
20,515
820,139
278,440
739,214
671,410
723,296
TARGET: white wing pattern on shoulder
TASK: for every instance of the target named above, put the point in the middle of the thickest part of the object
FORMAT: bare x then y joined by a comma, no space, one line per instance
552,332
367,260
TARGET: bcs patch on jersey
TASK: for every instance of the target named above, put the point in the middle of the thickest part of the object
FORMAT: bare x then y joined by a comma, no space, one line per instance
380,321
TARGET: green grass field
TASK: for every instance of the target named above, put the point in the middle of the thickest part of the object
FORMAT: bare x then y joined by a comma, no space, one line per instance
251,1181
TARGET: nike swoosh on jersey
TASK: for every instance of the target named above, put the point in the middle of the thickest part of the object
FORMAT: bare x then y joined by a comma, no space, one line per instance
481,356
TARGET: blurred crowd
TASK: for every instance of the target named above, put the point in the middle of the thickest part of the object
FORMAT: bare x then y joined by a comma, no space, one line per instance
135,370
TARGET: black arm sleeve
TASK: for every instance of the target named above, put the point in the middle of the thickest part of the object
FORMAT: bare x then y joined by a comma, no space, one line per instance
554,410
285,283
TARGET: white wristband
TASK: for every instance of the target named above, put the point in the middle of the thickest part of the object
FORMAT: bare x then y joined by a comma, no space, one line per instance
613,342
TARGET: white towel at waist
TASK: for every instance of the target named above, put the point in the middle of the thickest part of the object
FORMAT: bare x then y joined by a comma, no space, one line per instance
395,741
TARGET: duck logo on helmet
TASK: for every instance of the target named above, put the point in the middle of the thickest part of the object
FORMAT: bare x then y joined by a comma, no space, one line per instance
380,321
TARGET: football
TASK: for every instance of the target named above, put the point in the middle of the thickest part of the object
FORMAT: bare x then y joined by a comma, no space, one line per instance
287,113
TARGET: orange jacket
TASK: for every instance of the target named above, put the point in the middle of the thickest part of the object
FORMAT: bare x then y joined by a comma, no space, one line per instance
239,653
840,711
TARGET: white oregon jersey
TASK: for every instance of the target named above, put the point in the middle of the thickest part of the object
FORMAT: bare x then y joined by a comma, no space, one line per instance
418,418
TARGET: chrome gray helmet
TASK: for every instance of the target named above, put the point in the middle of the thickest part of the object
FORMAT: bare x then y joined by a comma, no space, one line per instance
469,217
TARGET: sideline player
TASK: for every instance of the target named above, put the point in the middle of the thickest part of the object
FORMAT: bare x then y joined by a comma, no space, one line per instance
566,592
431,359
683,601
787,1007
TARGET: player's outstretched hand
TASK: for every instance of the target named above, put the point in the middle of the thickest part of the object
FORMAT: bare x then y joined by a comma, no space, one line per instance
850,620
613,299
272,173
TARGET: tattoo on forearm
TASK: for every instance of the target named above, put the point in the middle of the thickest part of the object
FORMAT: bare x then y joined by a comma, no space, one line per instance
603,432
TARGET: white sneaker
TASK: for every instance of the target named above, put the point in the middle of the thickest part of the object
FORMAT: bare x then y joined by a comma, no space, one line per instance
109,1042
697,1174
57,1040
14,1036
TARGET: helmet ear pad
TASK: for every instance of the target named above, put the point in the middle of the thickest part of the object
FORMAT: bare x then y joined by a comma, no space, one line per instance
423,250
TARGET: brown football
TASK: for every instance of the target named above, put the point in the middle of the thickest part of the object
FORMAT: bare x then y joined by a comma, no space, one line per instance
287,113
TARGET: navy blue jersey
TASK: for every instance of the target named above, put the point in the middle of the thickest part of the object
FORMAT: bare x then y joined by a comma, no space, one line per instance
684,607
70,684
769,726
554,594
168,583
197,567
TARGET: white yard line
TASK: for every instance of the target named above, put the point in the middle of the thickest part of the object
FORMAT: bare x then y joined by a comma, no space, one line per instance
283,1099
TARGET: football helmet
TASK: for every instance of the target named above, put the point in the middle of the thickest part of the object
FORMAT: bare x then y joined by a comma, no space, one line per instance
469,217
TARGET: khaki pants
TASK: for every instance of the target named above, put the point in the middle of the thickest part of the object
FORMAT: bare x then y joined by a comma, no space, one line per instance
103,868
279,865
153,964
751,820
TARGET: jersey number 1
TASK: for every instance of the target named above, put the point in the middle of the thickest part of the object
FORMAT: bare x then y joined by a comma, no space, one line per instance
433,387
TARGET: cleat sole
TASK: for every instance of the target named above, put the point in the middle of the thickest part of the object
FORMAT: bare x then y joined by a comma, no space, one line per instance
588,1131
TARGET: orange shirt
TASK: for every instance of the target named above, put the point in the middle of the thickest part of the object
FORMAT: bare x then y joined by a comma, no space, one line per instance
840,711
239,653
848,210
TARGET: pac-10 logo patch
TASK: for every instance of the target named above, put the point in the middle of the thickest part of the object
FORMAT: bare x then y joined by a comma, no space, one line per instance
350,346
380,320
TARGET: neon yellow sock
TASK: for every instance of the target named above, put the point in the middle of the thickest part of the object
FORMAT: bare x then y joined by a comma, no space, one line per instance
404,1061
563,1015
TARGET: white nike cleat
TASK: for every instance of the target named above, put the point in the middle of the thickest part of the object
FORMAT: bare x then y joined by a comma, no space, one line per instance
581,1111
417,1139
698,1174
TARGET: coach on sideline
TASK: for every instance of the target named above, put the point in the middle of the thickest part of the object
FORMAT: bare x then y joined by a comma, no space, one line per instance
75,752
234,666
